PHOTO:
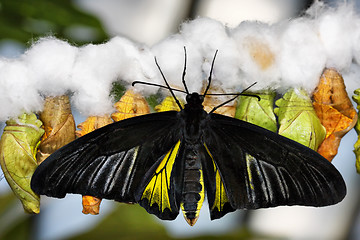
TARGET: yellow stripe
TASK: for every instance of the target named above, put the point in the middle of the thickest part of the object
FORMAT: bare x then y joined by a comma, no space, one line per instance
157,190
220,194
201,200
249,158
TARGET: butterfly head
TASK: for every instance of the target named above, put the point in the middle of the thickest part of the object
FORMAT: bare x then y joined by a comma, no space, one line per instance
194,99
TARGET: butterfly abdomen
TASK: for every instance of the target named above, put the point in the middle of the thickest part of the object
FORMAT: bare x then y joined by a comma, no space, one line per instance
193,186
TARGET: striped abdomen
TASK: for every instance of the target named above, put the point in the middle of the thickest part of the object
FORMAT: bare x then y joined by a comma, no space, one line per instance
193,187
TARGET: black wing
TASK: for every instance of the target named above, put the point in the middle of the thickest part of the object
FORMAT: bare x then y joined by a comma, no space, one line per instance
261,169
219,203
110,162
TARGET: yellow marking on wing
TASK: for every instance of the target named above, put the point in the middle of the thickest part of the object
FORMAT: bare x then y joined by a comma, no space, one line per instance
249,158
220,194
157,190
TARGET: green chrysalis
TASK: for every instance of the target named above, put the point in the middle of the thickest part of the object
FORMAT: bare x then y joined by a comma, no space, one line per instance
260,113
298,120
18,146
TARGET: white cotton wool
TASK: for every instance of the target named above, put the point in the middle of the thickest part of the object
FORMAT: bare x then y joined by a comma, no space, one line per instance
302,56
335,28
94,71
51,61
17,93
170,55
356,40
137,63
98,66
258,50
352,78
209,35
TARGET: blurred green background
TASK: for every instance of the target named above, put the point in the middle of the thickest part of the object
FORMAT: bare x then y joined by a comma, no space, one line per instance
24,21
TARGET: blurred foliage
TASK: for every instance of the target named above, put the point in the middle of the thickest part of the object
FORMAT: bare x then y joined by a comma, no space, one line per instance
6,200
133,222
16,225
19,231
24,21
126,222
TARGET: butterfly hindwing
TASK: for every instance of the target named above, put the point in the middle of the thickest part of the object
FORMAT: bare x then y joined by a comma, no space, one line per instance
261,169
160,190
110,162
219,203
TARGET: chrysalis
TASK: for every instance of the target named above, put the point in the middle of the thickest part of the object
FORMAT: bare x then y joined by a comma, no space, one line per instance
59,126
257,112
168,104
335,111
356,98
131,104
214,101
298,120
18,146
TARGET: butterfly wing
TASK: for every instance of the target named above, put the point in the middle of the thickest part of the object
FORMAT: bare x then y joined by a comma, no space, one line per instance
219,203
160,189
261,169
110,162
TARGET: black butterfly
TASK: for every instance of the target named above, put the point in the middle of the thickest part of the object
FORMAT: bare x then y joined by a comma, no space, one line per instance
167,161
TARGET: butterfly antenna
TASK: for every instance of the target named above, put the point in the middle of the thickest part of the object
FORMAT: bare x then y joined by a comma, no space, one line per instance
168,86
184,73
211,70
236,95
156,85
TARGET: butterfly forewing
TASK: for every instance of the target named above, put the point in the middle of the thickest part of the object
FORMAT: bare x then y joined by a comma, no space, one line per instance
261,169
109,162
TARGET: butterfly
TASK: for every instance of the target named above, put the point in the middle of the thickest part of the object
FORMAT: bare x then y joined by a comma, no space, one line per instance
170,160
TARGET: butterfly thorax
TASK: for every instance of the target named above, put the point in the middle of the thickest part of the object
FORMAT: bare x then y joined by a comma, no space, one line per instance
193,116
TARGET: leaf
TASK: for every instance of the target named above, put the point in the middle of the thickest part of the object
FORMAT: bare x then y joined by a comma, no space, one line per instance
298,120
335,111
260,113
131,104
18,146
59,126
